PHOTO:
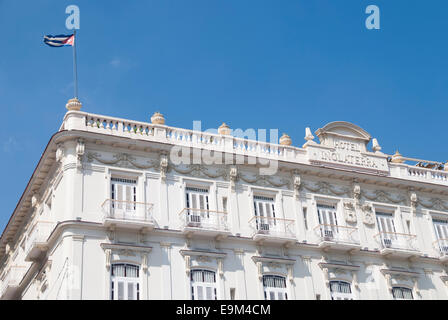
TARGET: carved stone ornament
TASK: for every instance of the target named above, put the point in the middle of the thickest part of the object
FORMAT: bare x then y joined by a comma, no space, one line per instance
434,203
349,212
381,196
326,188
368,215
414,201
80,149
233,174
357,193
122,160
264,180
60,152
297,183
163,166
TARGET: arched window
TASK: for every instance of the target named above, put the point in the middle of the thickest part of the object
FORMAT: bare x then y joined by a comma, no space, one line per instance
340,290
125,282
402,293
274,287
203,285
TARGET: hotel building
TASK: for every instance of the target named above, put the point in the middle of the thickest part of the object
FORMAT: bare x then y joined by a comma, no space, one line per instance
111,213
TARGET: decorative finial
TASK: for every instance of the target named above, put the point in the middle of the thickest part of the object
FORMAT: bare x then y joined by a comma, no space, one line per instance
157,118
375,145
224,129
73,105
285,140
397,158
308,137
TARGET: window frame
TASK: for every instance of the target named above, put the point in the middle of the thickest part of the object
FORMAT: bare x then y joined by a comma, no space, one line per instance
203,285
115,280
275,291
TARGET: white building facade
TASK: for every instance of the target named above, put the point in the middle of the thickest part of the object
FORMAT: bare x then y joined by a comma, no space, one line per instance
110,213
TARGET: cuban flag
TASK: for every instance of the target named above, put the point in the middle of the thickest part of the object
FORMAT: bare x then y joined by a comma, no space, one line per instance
60,41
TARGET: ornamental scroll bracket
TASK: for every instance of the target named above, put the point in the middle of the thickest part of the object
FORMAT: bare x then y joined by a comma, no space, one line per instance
163,166
297,184
80,150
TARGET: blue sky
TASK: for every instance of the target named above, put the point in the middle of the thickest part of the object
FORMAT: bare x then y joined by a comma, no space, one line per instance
253,64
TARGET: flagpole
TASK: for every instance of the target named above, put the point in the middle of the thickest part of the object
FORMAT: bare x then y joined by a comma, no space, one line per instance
75,67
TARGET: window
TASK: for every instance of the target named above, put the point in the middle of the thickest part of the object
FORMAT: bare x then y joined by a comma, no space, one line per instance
327,220
274,288
125,282
265,212
124,197
197,205
203,285
305,218
224,204
402,293
441,229
232,293
386,227
340,290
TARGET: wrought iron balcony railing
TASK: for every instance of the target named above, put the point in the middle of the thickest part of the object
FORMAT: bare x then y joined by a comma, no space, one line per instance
442,246
127,210
338,234
204,219
398,241
276,227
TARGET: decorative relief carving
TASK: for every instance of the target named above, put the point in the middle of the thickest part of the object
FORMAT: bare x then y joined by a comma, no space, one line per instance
163,166
368,215
264,180
434,203
349,212
80,149
381,196
122,160
413,198
297,184
233,175
357,194
60,151
326,188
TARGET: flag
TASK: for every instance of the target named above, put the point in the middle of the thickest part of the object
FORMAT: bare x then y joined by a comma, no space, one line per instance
60,41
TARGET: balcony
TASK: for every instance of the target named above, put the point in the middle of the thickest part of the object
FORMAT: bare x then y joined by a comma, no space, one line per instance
11,282
202,222
273,230
339,238
128,215
441,246
399,245
37,243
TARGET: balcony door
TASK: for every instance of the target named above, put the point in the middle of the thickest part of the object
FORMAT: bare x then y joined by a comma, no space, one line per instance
386,227
441,229
274,288
265,213
328,221
124,197
341,290
197,207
